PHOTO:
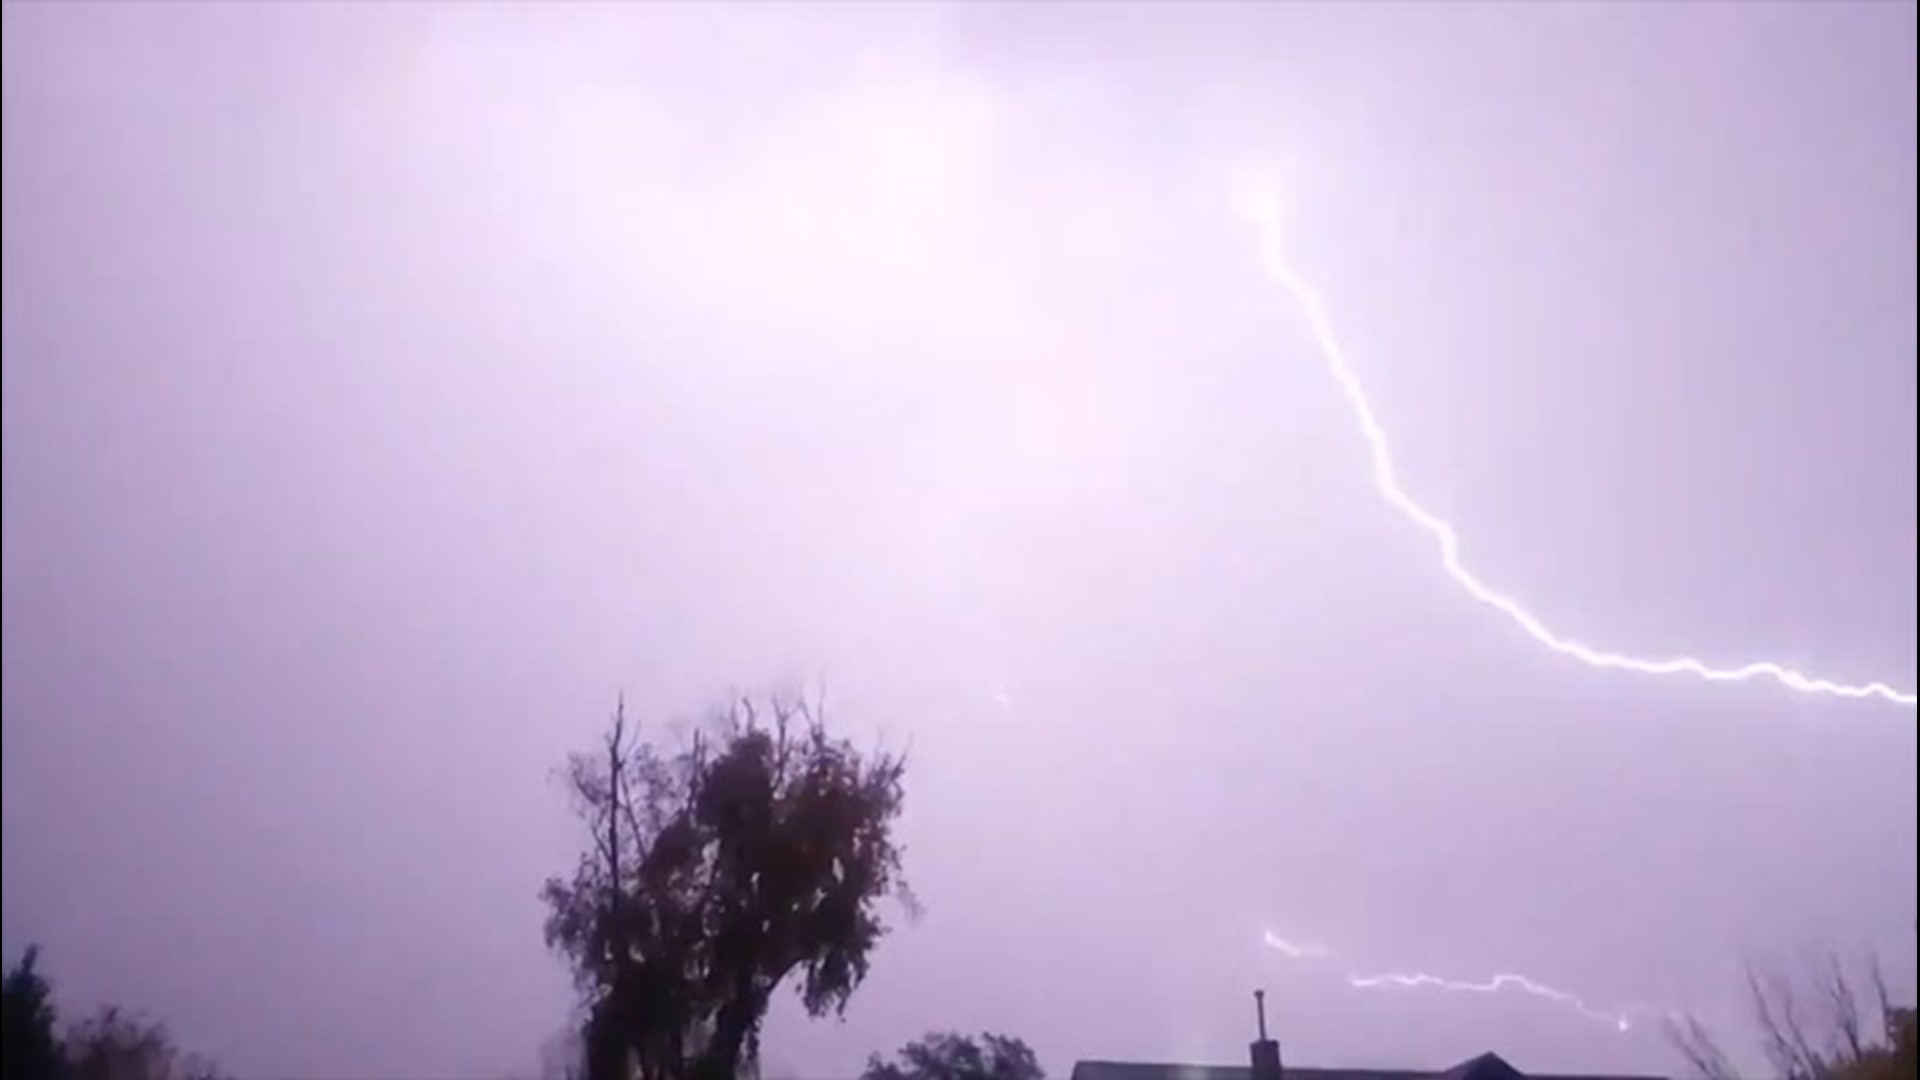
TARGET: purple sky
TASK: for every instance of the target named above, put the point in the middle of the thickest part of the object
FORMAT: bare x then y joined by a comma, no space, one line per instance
387,386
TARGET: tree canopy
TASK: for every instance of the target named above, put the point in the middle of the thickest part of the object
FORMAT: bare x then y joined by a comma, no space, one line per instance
758,851
946,1056
109,1044
113,1044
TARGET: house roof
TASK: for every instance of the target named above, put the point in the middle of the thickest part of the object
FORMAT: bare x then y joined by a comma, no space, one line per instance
1134,1070
1485,1067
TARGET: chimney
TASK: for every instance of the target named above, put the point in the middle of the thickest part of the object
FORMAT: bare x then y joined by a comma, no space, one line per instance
1265,1051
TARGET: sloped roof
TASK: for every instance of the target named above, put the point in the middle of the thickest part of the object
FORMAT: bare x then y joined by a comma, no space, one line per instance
1133,1070
1485,1067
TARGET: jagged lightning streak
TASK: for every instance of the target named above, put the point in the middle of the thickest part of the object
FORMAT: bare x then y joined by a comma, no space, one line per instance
1298,952
1620,1019
1263,208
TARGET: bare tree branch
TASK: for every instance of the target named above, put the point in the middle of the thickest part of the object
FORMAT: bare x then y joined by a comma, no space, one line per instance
1879,978
1843,1048
1702,1052
1846,1011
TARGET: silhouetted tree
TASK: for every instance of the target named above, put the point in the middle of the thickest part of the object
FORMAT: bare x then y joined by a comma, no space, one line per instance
1830,1041
1903,1046
32,1047
945,1056
713,875
111,1044
114,1045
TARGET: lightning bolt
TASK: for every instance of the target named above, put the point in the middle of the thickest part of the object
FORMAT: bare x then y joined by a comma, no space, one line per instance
1297,952
1264,210
1620,1019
